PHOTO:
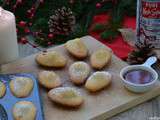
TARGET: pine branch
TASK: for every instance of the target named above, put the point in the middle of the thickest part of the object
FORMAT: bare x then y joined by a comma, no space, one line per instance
117,13
83,10
99,27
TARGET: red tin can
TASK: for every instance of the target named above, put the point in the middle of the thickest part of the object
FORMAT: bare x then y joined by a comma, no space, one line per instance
148,21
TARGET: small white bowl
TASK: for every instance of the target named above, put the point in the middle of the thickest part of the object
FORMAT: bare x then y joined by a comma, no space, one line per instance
139,88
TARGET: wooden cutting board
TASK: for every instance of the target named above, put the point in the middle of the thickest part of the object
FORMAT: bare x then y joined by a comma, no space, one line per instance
98,106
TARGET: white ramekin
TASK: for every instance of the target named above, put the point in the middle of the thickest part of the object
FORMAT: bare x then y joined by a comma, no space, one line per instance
139,88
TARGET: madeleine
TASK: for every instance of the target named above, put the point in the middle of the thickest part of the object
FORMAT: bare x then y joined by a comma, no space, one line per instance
98,80
2,89
79,72
51,59
24,110
21,86
49,79
77,48
66,96
100,58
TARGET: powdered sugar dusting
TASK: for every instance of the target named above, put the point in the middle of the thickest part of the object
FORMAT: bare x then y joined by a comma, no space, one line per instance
64,89
79,69
101,73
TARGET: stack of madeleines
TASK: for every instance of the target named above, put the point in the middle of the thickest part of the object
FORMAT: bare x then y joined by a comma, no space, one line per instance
79,72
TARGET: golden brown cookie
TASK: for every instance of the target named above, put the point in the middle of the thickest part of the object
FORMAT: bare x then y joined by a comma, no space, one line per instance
51,59
98,81
21,86
66,96
100,58
77,48
49,79
24,110
2,89
79,72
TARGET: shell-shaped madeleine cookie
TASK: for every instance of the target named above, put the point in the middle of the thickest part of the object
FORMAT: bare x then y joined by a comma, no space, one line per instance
77,48
66,96
98,81
100,58
2,89
79,72
51,59
49,79
21,86
24,110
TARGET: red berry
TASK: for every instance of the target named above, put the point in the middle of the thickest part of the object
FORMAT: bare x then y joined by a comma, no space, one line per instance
31,16
41,1
26,30
17,30
98,5
114,1
49,43
19,1
33,9
50,36
14,7
22,23
30,24
29,12
23,40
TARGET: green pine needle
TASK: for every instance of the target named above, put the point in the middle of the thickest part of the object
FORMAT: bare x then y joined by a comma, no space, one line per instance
109,35
99,27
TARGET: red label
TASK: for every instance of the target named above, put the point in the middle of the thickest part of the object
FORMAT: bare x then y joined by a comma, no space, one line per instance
151,9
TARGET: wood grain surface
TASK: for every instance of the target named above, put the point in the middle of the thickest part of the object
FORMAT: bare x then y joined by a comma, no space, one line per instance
101,105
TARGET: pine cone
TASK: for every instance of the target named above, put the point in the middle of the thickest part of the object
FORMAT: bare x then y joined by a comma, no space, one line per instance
143,51
62,22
